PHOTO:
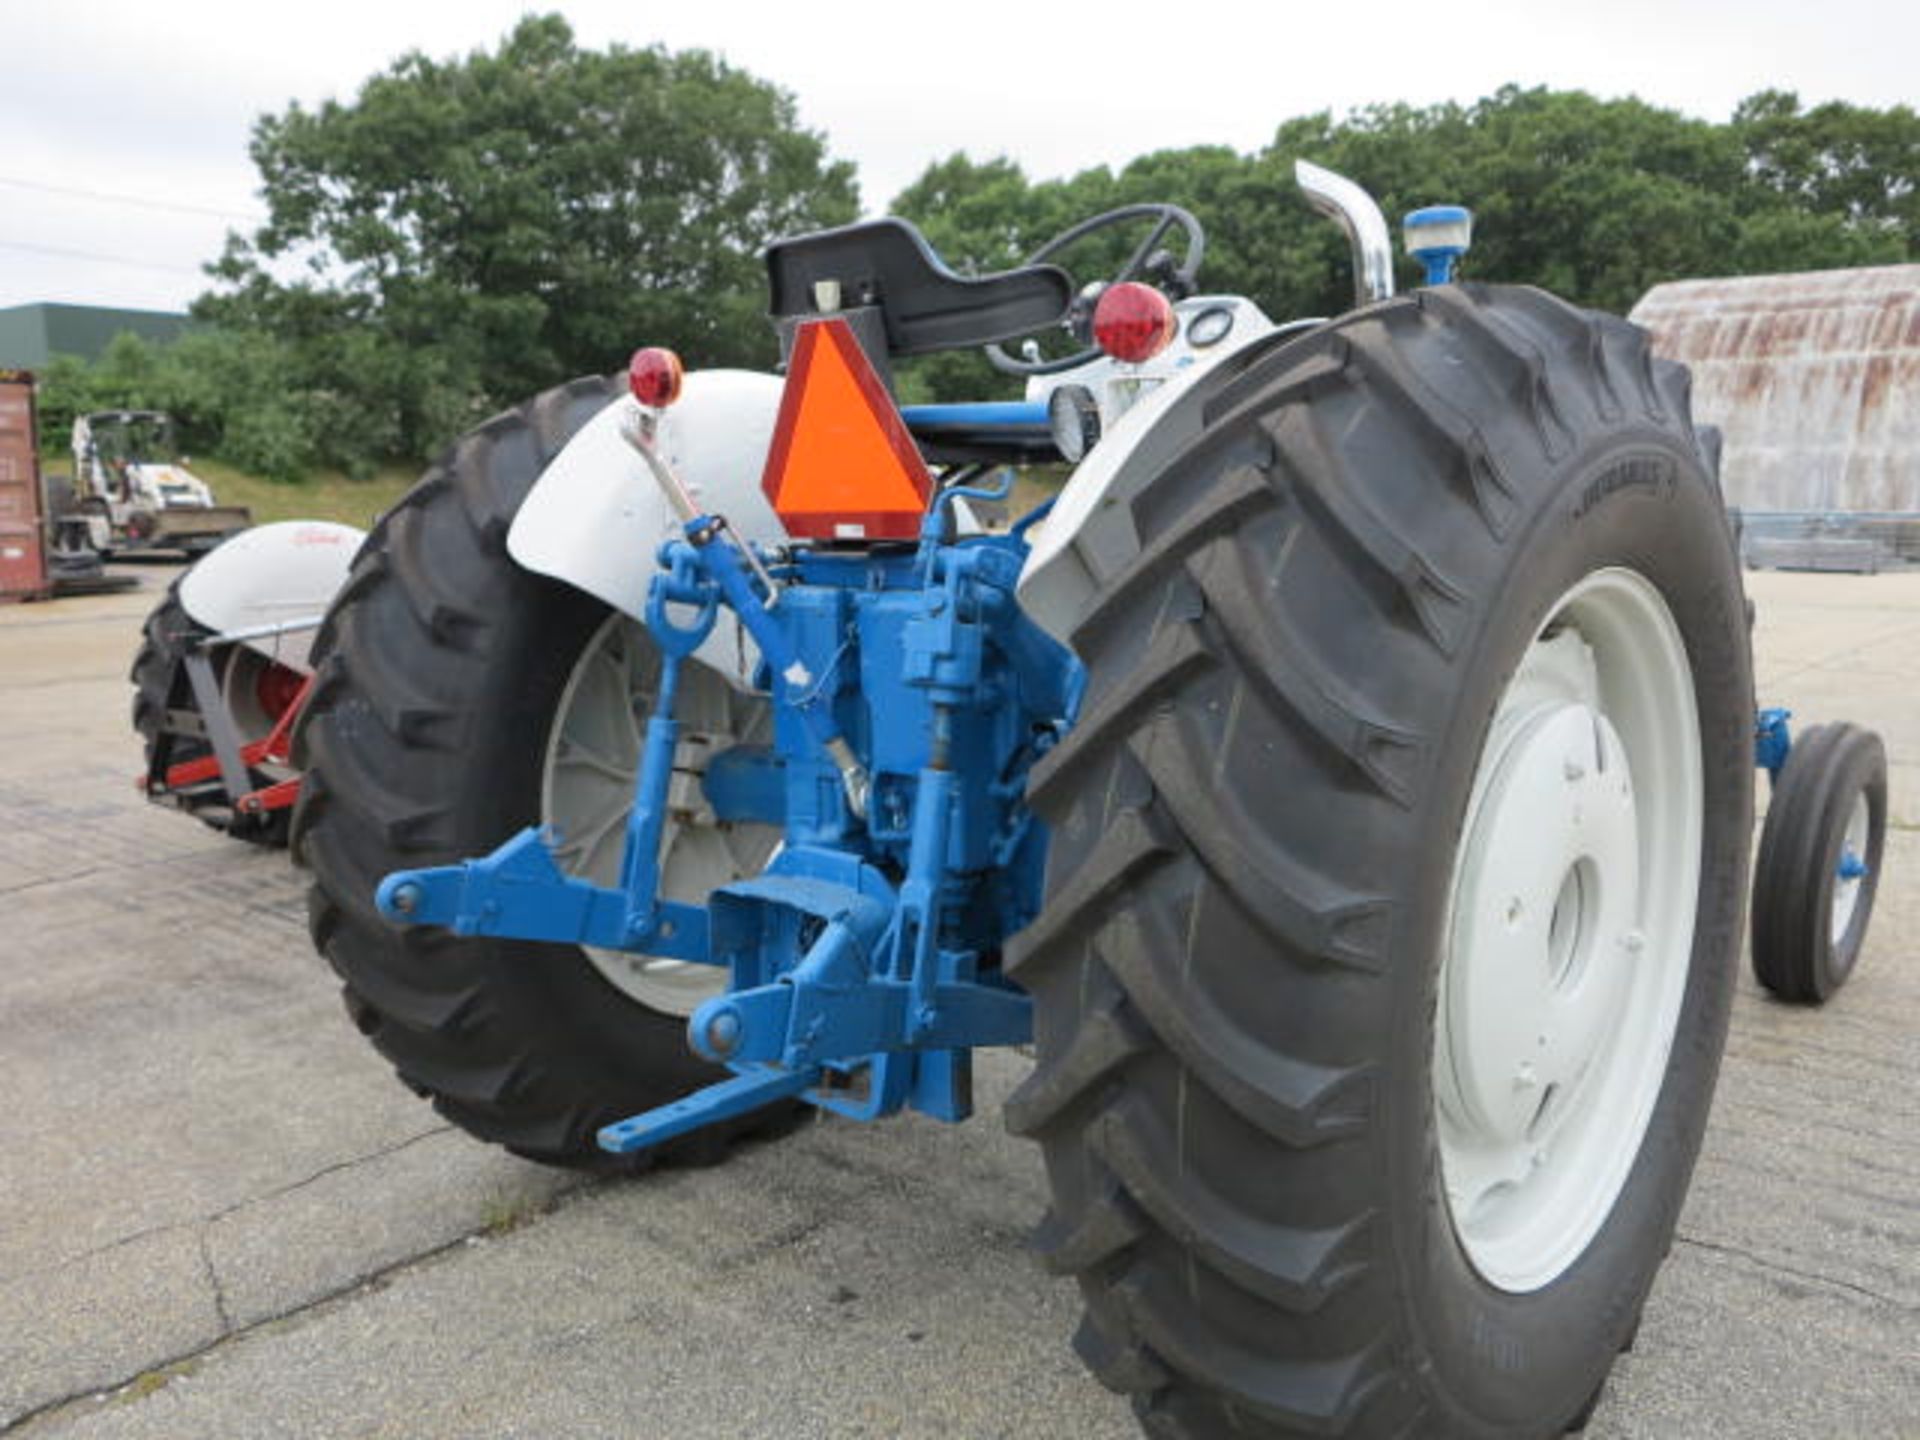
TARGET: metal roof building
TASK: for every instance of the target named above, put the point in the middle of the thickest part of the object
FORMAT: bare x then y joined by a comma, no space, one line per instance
30,334
1814,380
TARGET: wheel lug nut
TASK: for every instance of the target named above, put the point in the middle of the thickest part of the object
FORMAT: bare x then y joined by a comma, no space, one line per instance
1633,942
1574,771
1525,1078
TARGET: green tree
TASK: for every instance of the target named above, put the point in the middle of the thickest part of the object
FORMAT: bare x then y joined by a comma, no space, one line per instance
64,390
131,373
981,216
237,395
1858,165
1593,199
465,232
1597,200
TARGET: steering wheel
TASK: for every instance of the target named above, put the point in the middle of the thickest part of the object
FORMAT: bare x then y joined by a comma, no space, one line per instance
1147,261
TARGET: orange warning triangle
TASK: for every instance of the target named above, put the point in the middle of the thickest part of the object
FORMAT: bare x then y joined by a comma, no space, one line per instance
842,465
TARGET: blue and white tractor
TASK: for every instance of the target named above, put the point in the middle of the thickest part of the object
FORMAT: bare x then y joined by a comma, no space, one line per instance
1344,786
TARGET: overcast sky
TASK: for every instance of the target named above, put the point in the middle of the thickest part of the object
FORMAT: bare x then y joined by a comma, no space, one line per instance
152,103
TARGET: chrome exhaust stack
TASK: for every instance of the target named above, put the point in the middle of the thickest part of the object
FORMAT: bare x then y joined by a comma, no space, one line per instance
1354,210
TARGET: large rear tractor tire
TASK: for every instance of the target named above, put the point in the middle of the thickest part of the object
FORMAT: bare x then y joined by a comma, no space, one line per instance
459,699
1396,887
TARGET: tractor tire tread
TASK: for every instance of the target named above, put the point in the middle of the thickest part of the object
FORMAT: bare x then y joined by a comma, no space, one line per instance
1151,834
528,1058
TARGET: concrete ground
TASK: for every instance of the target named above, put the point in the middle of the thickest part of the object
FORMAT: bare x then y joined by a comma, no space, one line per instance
221,1216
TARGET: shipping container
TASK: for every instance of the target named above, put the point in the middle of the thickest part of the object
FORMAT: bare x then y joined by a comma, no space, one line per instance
23,552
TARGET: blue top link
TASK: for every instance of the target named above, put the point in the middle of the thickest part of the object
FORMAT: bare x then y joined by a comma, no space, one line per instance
1019,414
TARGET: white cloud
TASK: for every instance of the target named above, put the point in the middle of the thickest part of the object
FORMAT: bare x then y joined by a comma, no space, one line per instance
158,100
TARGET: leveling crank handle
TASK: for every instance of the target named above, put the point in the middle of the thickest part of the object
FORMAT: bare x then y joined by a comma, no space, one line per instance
725,566
638,431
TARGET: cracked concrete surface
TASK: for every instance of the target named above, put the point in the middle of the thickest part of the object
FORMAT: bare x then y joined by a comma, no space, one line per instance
190,1133
213,1188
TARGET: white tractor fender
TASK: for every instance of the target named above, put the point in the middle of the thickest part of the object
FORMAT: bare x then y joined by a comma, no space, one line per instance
596,518
1090,536
279,575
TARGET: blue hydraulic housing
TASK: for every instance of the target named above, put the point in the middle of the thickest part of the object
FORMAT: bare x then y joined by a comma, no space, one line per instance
1772,740
911,698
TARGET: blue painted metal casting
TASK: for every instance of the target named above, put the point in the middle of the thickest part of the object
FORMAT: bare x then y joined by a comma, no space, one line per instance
911,697
1772,740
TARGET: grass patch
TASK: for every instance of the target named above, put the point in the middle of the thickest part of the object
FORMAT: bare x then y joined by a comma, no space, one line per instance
501,1215
329,495
326,495
152,1382
1032,487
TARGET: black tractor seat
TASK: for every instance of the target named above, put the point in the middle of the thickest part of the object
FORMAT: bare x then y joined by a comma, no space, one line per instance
887,266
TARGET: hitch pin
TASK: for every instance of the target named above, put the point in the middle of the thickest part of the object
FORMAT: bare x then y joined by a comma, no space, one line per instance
637,430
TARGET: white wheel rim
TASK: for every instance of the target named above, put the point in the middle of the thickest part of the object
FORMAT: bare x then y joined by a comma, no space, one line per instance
586,794
1569,930
1846,888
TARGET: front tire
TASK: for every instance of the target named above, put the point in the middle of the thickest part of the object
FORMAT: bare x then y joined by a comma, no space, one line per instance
1818,869
160,685
429,738
1354,599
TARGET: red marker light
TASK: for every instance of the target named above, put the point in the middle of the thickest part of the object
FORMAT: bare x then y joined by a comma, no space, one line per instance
654,376
1133,322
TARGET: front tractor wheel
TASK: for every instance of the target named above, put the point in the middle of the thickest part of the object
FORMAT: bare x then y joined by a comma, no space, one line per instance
460,699
1397,874
1821,850
257,693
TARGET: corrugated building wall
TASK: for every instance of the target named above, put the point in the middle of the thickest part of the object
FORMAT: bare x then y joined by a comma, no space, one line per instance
31,334
1814,379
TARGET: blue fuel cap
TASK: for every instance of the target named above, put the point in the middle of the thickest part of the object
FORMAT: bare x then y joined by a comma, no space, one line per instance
1437,236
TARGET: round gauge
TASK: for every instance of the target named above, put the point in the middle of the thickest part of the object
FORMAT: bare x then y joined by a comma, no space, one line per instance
1210,326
